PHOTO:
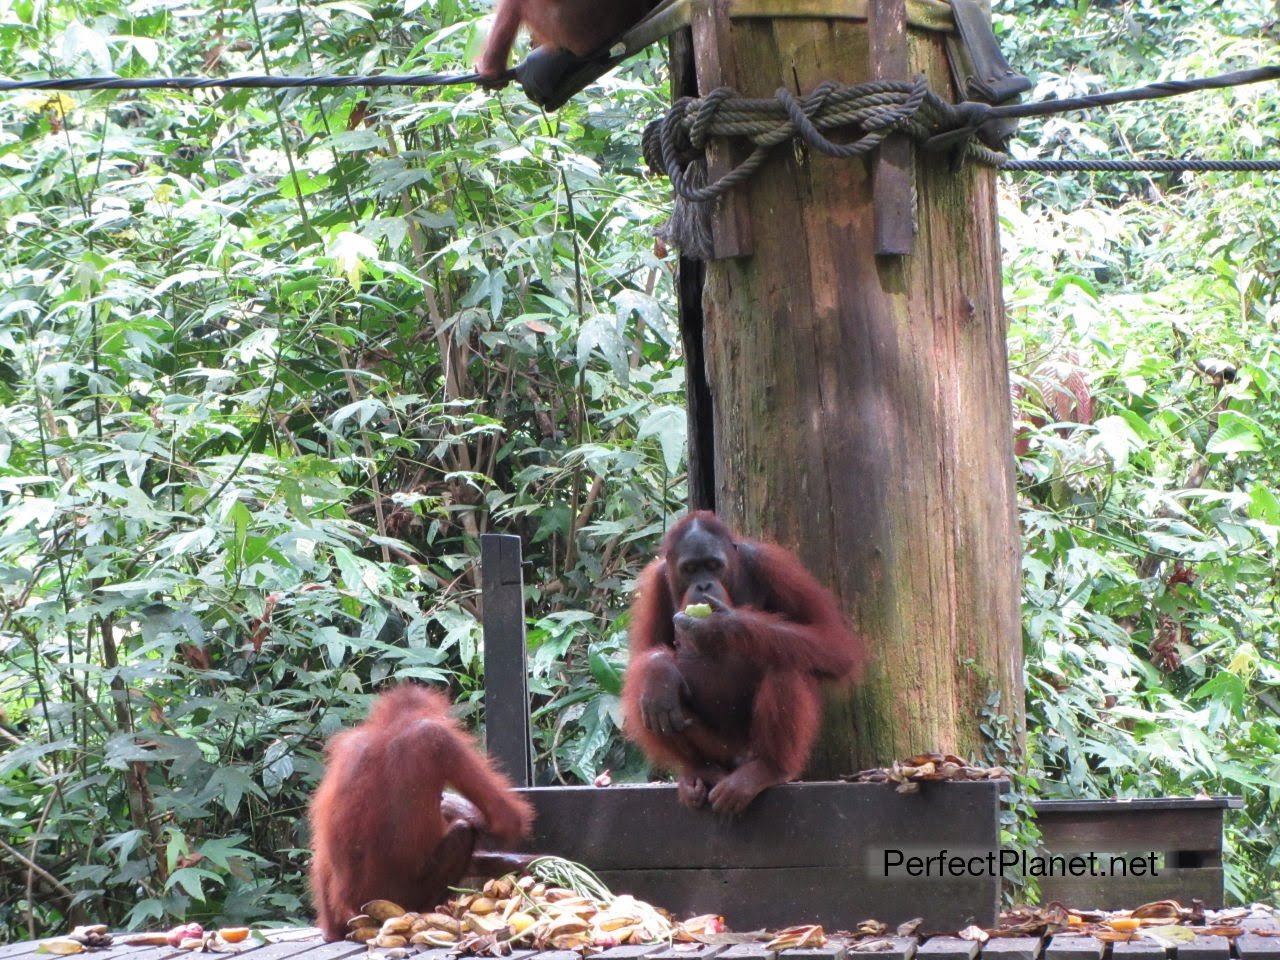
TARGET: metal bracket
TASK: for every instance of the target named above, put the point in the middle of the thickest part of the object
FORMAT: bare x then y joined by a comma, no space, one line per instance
980,70
550,76
984,74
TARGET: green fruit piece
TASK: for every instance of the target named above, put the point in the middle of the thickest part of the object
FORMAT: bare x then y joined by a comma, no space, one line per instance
699,611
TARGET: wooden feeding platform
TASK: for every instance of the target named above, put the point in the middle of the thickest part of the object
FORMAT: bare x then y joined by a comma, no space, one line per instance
824,852
306,944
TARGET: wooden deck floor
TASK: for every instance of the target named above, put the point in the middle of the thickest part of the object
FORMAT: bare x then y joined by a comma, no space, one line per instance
306,944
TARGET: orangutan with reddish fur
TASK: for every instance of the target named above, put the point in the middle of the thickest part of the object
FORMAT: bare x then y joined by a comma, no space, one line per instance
730,700
382,826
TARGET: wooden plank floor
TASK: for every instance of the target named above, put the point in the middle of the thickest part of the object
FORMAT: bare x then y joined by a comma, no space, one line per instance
306,944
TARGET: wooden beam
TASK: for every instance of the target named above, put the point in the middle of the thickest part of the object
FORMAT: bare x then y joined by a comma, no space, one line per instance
893,178
717,67
506,702
801,853
923,14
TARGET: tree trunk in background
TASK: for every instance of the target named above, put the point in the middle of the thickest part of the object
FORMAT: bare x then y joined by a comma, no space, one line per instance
860,404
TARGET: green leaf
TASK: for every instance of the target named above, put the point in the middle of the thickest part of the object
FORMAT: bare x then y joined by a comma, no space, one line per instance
670,424
277,765
229,784
350,252
1117,439
1263,504
1073,280
82,47
358,575
222,851
1236,433
602,333
604,670
190,880
123,749
1226,688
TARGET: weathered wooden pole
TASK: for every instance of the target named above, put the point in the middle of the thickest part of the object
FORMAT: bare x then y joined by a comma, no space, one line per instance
860,405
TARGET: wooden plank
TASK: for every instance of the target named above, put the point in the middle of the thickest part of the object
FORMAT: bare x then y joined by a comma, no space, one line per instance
893,176
776,864
22,948
748,951
854,826
831,951
1140,949
924,14
1251,946
947,948
689,951
1074,948
1011,948
899,948
713,52
1115,893
1059,808
1256,924
506,702
308,943
1131,830
317,949
120,951
338,949
314,947
1205,948
629,952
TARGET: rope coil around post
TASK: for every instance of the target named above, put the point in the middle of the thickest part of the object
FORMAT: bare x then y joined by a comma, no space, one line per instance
676,143
875,109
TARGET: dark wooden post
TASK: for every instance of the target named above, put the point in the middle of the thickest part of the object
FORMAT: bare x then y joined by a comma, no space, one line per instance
861,406
506,677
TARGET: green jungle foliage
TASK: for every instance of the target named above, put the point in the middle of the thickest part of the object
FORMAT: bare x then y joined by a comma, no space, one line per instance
270,363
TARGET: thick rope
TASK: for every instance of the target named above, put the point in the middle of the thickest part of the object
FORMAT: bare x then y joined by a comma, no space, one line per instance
1149,165
871,111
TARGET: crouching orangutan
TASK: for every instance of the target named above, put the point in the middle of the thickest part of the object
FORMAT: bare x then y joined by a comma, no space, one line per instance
730,643
382,826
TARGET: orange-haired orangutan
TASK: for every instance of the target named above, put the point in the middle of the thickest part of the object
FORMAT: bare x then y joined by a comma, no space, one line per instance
580,26
382,826
728,695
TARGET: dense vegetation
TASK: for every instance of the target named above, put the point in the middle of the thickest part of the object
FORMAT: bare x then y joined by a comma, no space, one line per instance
1150,584
270,363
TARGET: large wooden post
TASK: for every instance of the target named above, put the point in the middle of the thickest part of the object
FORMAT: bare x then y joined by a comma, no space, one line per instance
860,401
